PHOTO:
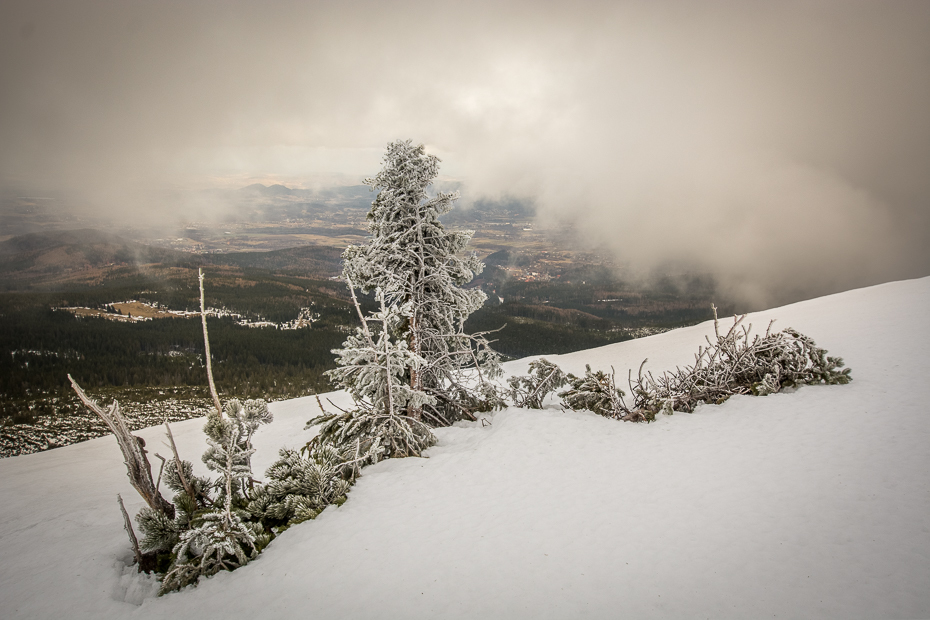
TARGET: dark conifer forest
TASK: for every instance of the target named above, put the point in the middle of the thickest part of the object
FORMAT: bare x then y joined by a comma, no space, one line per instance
42,341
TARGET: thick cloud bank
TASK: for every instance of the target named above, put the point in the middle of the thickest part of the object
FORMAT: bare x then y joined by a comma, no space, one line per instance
784,147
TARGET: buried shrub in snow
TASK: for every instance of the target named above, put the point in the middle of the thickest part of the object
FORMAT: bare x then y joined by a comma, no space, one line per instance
206,527
221,536
377,434
222,524
530,391
737,363
298,489
596,392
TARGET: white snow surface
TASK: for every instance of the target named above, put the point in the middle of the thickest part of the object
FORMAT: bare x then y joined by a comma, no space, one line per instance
811,504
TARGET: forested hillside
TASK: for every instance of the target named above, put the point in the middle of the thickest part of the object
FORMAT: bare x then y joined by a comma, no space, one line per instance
42,276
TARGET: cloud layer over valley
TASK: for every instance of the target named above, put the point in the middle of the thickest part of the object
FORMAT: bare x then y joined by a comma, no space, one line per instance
784,147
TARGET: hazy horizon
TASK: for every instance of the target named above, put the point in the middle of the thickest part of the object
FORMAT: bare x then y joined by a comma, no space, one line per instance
785,147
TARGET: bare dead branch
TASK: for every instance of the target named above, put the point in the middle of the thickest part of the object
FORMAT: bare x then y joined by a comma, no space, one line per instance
161,470
127,524
206,346
138,467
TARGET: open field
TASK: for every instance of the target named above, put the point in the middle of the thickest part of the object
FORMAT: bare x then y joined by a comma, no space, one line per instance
127,311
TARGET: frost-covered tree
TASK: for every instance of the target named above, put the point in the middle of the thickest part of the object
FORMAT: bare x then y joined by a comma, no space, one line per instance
223,537
421,270
230,437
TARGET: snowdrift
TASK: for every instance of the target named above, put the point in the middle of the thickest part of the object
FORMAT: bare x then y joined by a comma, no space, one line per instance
814,503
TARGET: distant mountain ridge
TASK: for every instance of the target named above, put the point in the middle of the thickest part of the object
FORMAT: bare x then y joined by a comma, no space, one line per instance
78,256
268,190
40,241
38,255
340,193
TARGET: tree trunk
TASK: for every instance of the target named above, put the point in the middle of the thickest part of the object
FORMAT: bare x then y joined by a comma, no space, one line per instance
416,380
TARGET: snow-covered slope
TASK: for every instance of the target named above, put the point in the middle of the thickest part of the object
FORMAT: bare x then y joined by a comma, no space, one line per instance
809,504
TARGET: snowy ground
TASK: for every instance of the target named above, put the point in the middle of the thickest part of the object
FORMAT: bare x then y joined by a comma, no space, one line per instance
812,504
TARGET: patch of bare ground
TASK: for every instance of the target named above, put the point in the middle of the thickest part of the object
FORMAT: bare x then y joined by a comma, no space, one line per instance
73,424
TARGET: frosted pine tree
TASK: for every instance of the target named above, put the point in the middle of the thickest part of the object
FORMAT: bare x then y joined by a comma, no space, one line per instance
416,263
232,434
223,537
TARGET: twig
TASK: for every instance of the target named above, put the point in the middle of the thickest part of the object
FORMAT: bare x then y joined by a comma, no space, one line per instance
361,316
177,462
160,470
335,405
127,524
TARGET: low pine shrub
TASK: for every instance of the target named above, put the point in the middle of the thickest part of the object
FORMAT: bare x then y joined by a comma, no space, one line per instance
737,363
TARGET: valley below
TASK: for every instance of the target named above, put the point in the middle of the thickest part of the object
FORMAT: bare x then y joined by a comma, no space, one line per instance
118,309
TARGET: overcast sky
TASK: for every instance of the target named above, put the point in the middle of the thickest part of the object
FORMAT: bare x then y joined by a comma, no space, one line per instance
784,146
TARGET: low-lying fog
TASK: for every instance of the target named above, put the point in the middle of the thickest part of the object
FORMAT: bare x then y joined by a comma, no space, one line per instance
783,147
